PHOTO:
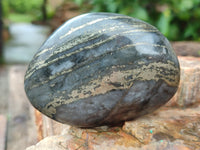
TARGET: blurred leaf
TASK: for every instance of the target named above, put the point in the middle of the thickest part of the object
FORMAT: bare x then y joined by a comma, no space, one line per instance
50,12
79,2
186,5
20,17
173,32
22,6
139,13
197,13
198,52
164,22
191,31
111,5
184,16
5,7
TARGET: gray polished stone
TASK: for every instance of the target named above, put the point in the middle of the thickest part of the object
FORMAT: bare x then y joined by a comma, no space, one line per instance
102,69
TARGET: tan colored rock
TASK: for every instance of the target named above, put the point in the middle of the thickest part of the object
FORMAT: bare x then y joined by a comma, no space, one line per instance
3,129
39,124
165,145
21,130
186,48
167,125
189,88
172,129
50,143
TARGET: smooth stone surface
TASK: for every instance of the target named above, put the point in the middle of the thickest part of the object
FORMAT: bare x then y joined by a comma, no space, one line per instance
102,69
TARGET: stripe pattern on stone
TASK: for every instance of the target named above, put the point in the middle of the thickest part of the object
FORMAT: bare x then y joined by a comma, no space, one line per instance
102,69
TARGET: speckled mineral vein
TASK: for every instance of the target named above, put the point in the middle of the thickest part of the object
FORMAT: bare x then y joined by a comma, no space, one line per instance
102,86
42,63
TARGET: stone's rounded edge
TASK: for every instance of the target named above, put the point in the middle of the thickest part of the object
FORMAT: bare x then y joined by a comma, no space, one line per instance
50,103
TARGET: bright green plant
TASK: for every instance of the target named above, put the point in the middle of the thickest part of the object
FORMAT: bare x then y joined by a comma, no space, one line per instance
176,19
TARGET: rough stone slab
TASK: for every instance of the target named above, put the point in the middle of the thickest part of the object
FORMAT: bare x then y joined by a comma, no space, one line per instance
38,121
4,89
160,130
51,127
49,143
186,48
189,88
21,124
3,129
168,125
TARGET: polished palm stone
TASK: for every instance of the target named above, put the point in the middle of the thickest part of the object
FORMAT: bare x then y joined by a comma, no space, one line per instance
102,69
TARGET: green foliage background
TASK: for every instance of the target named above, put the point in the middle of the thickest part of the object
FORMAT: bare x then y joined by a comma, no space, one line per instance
24,10
176,19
